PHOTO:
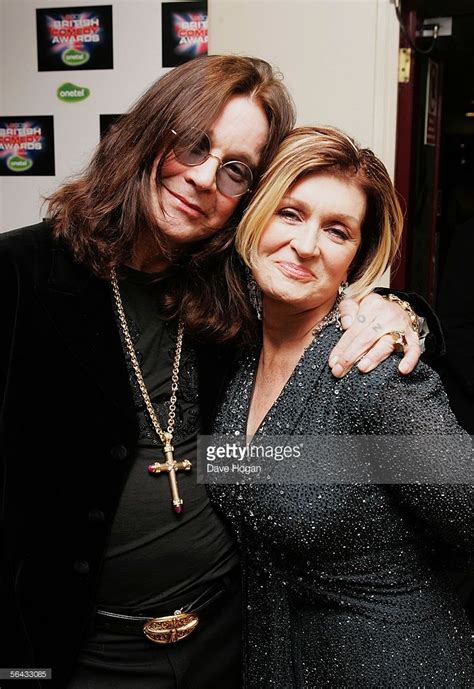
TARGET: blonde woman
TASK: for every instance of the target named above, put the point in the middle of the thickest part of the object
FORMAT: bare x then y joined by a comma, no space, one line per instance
341,587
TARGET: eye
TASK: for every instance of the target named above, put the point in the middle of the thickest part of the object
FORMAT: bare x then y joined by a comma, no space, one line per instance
236,171
192,151
338,233
289,214
199,148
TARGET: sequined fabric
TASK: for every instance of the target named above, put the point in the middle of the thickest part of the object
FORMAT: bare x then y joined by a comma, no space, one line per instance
342,585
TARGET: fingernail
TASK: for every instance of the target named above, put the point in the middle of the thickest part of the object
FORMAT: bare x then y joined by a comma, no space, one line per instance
333,360
346,321
338,371
365,364
403,368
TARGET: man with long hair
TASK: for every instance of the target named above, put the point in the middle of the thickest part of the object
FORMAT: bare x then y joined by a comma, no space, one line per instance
119,314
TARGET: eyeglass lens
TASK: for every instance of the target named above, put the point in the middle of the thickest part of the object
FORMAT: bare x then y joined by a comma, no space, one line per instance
233,178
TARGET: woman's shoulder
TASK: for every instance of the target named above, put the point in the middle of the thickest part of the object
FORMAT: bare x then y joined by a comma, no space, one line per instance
386,399
384,378
386,375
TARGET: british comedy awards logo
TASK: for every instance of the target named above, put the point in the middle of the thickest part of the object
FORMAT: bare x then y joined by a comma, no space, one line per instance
27,146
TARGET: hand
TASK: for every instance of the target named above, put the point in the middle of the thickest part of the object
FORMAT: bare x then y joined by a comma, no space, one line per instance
366,340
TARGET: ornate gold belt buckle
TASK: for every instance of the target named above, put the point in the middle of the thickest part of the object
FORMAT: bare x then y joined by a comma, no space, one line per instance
167,630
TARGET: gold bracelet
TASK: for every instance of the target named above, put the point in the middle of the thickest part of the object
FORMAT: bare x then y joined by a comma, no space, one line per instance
406,306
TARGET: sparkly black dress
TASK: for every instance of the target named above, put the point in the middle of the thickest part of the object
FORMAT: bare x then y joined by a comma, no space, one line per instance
342,585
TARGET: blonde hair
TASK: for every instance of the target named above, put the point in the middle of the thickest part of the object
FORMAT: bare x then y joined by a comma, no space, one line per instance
307,150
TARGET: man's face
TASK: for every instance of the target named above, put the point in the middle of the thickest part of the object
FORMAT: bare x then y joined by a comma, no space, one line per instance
192,207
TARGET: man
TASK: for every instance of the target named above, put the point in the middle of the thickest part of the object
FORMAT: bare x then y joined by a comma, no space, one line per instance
106,562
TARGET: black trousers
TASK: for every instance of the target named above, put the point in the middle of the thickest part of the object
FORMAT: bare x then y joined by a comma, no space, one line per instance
209,658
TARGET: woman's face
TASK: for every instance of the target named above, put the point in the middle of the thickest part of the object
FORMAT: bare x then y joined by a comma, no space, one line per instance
308,245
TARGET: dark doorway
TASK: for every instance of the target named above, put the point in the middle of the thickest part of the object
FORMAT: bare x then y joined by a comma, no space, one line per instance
435,173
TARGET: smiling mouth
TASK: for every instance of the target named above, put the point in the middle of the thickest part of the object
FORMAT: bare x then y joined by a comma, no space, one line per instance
188,206
296,271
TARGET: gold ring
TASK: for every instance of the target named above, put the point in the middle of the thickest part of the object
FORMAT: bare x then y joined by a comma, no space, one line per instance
398,338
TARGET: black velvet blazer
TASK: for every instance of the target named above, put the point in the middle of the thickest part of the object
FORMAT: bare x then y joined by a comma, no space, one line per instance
67,433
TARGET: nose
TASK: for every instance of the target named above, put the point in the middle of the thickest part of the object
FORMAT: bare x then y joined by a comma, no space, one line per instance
204,176
306,241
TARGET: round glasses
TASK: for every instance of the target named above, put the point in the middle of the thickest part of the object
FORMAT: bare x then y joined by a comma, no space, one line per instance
233,178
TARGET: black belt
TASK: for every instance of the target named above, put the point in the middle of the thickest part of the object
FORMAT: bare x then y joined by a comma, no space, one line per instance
166,628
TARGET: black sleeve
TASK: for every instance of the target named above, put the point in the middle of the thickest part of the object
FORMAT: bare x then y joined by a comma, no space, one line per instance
456,307
13,651
8,308
417,434
434,342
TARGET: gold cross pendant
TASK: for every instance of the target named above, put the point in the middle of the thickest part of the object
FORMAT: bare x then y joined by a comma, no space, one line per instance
171,466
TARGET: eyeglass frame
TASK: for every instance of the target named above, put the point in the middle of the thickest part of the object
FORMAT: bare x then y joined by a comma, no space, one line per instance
220,161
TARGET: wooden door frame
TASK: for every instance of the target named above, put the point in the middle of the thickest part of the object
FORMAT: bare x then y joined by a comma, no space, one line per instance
404,139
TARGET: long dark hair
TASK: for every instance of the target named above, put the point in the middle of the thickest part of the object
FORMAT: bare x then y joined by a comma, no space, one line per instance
103,212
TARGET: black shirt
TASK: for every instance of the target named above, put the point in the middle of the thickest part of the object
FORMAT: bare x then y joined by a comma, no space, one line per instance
153,554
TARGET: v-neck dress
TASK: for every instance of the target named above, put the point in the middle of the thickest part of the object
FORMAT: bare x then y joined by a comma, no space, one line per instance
343,583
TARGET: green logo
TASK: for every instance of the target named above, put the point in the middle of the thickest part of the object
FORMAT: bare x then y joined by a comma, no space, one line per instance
19,164
70,93
74,58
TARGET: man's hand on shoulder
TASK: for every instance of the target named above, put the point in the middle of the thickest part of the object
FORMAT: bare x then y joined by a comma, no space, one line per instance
373,328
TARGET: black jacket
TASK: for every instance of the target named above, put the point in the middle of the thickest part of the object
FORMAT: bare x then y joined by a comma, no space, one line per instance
67,433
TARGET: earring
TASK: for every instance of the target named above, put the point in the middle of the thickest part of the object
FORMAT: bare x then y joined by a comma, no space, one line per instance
341,290
255,294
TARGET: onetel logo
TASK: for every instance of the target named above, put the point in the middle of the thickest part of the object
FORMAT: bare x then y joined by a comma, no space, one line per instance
19,164
74,58
70,93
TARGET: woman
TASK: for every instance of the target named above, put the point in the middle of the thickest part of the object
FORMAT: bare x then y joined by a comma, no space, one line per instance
339,578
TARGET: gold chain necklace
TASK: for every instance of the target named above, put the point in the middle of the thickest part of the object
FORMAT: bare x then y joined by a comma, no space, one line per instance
170,466
332,317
